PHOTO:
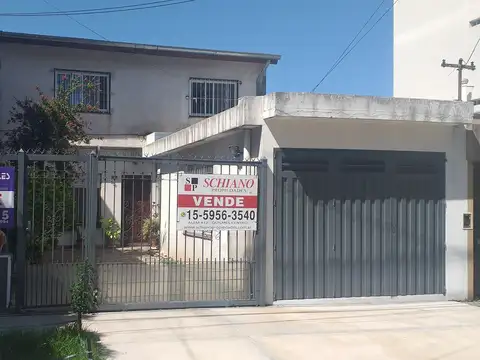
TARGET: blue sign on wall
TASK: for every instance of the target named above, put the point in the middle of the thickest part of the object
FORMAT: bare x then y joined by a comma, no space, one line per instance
7,197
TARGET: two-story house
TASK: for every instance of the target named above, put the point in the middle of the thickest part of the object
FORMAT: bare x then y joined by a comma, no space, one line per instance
141,89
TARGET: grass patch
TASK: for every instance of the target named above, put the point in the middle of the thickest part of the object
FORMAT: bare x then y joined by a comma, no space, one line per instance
50,344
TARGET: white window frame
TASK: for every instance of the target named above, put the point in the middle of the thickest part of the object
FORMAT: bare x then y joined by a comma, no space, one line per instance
213,82
82,74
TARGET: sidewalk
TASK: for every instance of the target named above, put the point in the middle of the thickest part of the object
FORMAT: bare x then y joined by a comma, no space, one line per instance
448,331
427,330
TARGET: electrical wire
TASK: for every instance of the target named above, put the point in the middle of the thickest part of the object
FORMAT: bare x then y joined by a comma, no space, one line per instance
109,10
470,57
354,38
72,12
346,53
473,51
78,22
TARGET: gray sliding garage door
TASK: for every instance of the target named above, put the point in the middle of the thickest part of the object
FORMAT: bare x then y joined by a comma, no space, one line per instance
358,223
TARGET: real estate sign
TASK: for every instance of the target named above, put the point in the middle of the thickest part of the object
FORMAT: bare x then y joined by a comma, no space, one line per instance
217,202
7,197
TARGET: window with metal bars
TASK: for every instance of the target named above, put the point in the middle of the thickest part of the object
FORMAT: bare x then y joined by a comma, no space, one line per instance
209,97
86,88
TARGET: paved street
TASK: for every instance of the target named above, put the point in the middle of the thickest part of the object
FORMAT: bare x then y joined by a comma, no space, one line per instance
429,330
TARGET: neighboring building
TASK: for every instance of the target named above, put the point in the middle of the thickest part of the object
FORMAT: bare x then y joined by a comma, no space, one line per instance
140,89
425,33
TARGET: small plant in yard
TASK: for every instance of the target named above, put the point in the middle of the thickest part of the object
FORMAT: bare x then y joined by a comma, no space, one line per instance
112,230
84,292
151,230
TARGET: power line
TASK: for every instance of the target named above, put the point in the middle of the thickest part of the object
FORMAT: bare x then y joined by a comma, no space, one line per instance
116,9
353,40
335,65
471,55
78,22
473,51
71,12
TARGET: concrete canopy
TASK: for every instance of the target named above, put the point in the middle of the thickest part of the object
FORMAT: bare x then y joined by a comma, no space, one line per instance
254,111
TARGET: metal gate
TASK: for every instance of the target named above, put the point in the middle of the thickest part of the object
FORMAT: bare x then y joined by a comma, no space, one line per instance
359,223
121,211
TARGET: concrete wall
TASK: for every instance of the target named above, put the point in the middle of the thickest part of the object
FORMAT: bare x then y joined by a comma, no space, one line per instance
148,93
224,245
425,32
347,134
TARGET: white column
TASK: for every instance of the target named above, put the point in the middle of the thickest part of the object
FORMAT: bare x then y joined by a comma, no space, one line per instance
457,203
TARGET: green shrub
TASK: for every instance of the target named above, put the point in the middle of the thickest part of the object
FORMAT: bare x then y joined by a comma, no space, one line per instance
112,230
84,291
48,344
151,231
51,206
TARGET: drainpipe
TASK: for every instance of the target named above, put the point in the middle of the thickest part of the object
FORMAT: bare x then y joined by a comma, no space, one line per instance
247,144
261,80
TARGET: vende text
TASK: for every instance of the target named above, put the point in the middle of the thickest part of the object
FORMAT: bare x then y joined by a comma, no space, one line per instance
217,201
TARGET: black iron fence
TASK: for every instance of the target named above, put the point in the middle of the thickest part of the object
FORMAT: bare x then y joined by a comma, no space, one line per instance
122,212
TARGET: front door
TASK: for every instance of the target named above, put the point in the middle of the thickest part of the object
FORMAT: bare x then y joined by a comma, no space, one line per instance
137,206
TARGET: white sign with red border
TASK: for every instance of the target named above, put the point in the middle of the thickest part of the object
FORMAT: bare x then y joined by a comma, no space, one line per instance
217,202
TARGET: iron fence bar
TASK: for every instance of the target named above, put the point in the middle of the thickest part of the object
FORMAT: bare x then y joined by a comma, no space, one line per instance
92,180
22,192
53,157
173,304
8,157
262,232
179,161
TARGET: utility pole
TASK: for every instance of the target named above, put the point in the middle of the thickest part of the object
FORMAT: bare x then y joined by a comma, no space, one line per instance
460,67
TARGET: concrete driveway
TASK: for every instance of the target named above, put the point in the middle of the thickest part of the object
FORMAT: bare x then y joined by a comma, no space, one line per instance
429,330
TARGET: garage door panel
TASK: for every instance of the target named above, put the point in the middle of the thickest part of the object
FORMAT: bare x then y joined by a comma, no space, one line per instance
357,269
320,242
309,248
357,226
367,237
345,250
395,265
288,254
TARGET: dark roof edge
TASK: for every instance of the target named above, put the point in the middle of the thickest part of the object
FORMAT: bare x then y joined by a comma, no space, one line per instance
132,48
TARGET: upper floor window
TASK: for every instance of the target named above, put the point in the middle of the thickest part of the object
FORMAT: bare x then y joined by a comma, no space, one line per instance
87,88
209,97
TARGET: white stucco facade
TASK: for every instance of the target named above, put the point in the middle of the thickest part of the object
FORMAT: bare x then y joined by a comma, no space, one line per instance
149,90
148,93
301,120
427,31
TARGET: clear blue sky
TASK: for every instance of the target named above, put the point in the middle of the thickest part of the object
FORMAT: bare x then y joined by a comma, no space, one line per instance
309,34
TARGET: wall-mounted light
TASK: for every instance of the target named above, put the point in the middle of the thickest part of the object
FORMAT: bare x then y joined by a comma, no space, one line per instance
235,151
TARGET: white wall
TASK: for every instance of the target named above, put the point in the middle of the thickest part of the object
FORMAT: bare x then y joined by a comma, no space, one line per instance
148,93
425,32
224,245
348,134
